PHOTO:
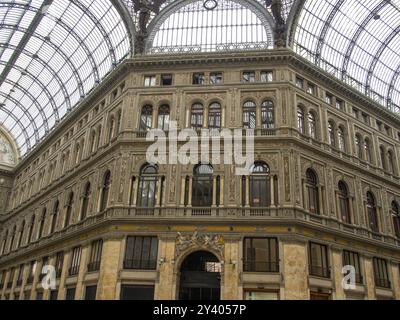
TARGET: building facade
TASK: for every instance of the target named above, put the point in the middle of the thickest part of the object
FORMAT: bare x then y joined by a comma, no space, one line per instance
323,193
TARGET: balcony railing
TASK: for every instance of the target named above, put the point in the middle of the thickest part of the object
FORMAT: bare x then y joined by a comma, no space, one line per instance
320,272
261,266
140,264
93,266
383,283
73,271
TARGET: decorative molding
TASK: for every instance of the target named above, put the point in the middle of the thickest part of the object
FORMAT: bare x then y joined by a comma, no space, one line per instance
199,240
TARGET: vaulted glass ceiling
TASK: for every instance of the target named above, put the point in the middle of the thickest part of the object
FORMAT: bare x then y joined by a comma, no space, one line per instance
52,53
358,41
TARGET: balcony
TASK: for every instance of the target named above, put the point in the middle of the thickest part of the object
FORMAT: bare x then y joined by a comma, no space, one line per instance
93,266
261,266
320,272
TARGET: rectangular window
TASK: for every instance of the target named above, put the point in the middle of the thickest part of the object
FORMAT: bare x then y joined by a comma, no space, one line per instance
319,260
20,275
32,268
379,125
355,112
2,279
267,76
260,295
141,253
311,89
215,78
299,83
59,263
70,294
39,295
381,274
248,76
166,79
198,78
95,256
129,292
388,131
75,261
328,98
261,255
149,81
339,104
353,259
365,118
90,292
11,278
53,294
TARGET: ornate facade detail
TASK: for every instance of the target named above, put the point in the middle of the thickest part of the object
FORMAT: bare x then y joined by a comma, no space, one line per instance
200,241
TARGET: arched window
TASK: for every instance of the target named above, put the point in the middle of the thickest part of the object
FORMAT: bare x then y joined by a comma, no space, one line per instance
163,117
344,202
249,115
93,141
312,190
383,156
300,120
105,190
358,146
341,139
85,201
390,161
147,193
267,115
21,233
68,213
146,118
331,133
13,232
31,226
111,128
367,149
396,218
260,193
197,116
54,217
312,125
41,223
372,212
214,116
202,191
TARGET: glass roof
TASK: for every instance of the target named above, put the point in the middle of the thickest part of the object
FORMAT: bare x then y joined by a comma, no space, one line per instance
51,55
358,41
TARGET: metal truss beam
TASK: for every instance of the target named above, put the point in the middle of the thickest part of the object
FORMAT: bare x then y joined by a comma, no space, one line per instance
378,55
324,31
293,20
33,99
46,66
25,39
357,35
393,81
40,84
128,21
56,48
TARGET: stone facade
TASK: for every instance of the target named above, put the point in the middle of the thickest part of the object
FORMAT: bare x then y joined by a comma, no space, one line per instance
102,135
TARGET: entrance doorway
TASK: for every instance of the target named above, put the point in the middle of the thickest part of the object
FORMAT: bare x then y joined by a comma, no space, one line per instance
200,277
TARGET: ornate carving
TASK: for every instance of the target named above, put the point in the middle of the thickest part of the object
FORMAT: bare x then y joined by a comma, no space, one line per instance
7,154
186,241
287,178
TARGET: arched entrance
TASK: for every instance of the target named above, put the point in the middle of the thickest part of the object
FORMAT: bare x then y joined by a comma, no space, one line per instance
200,277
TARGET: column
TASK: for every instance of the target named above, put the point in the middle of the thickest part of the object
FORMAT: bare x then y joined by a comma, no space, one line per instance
394,268
230,281
135,190
369,277
166,285
354,219
159,182
190,191
337,273
306,205
183,186
64,275
109,269
79,293
223,117
214,195
271,180
247,191
320,200
221,196
155,117
294,268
